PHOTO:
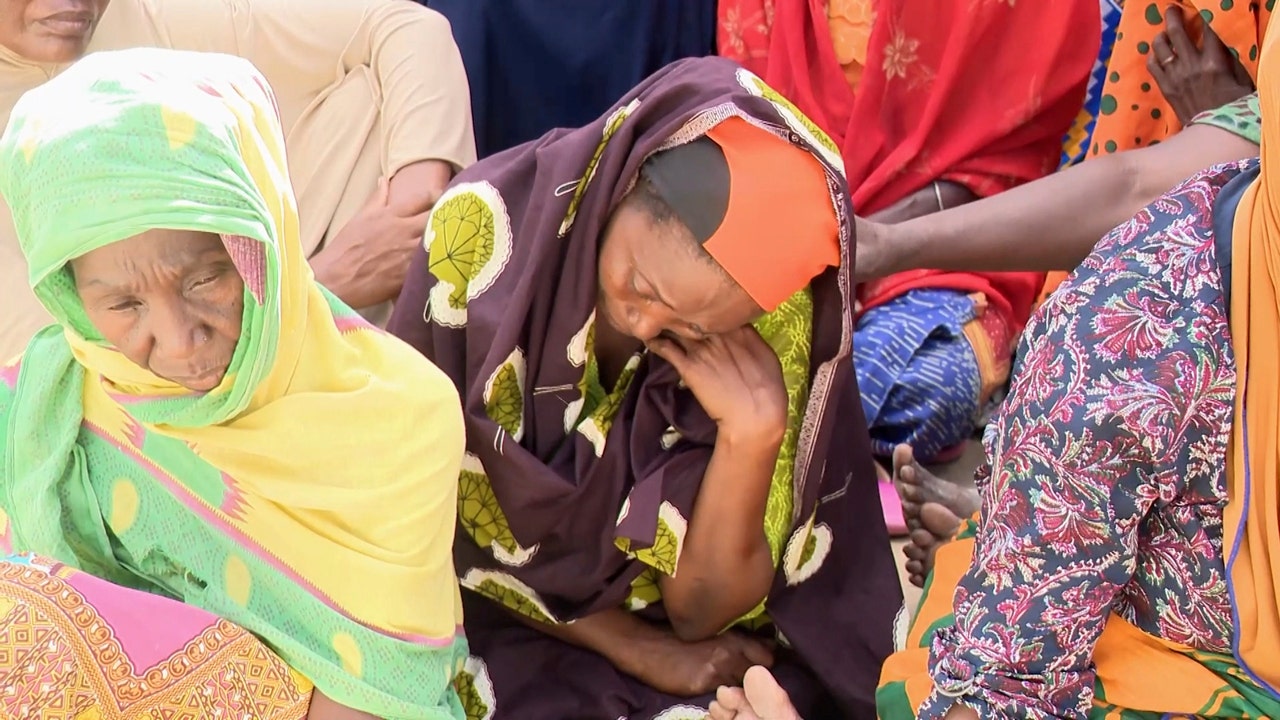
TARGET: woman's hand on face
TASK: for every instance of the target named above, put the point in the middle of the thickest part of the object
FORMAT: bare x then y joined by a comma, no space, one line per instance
1195,79
737,379
692,669
366,262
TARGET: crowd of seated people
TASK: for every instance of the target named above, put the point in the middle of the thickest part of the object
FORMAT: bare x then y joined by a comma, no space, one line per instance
426,360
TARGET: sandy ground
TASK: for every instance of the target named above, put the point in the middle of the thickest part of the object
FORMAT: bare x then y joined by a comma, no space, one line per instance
960,472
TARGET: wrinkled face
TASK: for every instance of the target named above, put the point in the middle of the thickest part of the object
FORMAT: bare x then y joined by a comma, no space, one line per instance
49,31
170,300
654,281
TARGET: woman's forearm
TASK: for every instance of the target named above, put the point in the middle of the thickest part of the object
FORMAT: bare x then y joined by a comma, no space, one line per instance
615,634
725,567
1053,223
417,186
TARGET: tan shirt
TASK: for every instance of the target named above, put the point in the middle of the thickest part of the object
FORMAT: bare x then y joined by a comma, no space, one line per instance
365,87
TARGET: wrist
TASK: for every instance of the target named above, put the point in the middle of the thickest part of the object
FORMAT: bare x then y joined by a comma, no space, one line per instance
325,270
903,246
634,652
752,436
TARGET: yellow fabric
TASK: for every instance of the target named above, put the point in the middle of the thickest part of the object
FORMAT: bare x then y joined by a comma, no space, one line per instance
1254,456
365,87
347,455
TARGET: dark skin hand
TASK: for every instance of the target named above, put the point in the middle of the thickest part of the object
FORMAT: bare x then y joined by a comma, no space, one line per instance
655,656
737,379
366,262
1195,79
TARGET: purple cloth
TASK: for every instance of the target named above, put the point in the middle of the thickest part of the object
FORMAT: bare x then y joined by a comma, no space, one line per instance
559,496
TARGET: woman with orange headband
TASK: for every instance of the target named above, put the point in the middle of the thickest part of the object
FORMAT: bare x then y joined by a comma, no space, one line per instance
667,478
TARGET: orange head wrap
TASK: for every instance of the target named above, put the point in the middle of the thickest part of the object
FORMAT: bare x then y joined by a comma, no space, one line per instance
759,205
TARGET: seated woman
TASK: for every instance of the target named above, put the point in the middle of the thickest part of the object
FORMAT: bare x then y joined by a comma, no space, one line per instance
666,479
990,234
1124,564
179,450
896,87
368,90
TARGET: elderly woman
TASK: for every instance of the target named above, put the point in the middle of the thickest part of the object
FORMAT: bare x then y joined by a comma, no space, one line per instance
659,489
188,546
1125,561
368,90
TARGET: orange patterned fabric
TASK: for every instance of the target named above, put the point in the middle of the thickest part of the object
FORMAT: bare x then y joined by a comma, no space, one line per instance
850,23
1134,112
744,27
61,659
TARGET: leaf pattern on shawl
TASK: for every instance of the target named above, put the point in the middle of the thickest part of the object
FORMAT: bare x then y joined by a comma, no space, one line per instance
468,242
599,419
475,690
789,331
795,119
644,590
482,518
504,395
508,592
668,541
610,128
806,552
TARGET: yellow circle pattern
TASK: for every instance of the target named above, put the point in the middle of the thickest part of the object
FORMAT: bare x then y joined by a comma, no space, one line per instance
238,581
349,653
124,505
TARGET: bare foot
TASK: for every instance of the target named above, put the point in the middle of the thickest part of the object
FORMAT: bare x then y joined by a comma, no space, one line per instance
917,487
937,526
759,698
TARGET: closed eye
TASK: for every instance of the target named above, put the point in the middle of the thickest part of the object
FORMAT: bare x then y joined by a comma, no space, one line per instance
124,306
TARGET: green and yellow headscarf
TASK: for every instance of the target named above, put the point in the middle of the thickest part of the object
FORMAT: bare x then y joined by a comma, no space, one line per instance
309,497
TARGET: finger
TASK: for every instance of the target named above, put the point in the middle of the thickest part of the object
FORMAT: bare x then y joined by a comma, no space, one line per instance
1210,41
1162,50
720,712
731,698
1158,74
1176,26
670,351
757,652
